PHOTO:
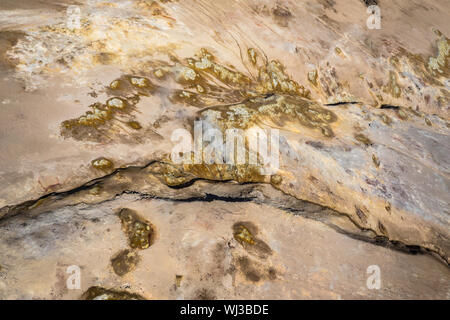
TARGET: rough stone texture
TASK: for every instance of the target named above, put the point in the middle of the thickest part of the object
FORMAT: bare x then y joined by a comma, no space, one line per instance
86,120
308,259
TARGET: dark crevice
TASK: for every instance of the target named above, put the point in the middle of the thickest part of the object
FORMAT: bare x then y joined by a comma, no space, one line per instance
11,210
320,216
341,103
288,203
389,106
385,242
378,240
207,198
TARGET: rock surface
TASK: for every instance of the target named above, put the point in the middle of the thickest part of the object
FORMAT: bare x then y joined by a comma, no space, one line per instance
91,95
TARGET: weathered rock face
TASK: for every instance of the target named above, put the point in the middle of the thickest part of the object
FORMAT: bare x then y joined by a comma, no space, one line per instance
92,95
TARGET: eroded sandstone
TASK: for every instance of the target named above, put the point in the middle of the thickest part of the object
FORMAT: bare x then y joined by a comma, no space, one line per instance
88,114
